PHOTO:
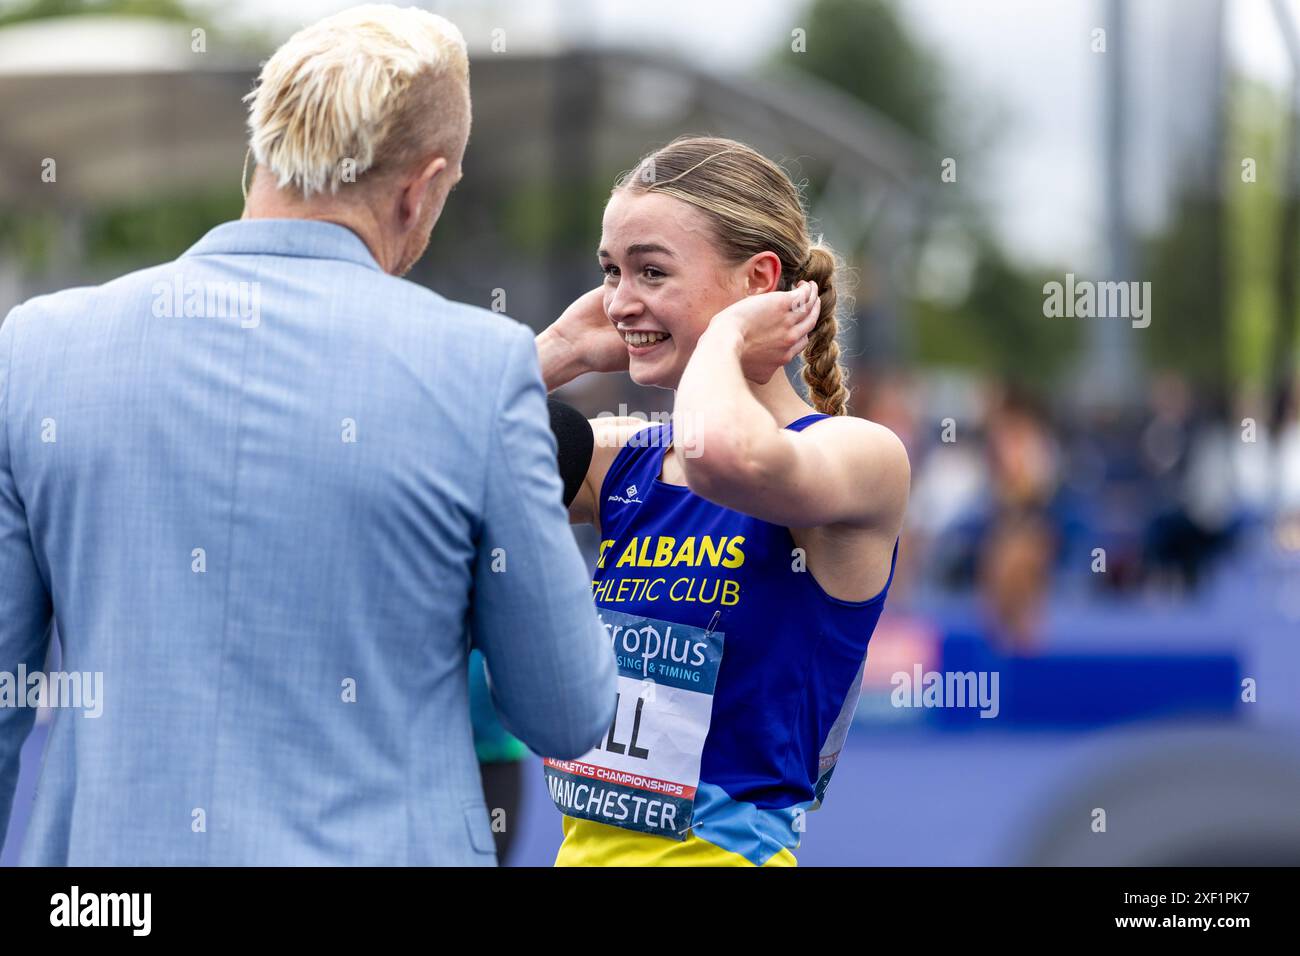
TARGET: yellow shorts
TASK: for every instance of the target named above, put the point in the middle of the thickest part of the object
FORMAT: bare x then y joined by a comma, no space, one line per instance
587,843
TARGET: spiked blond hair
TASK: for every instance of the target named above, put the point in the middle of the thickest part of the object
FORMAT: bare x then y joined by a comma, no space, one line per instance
374,84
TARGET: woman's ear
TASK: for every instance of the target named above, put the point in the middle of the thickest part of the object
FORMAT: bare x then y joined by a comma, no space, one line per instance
762,273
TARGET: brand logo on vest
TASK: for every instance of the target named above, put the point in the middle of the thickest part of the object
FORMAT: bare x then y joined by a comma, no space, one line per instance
631,498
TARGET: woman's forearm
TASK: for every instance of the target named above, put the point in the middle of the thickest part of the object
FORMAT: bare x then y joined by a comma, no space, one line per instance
714,408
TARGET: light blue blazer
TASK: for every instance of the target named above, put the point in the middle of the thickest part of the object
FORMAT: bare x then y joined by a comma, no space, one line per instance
270,494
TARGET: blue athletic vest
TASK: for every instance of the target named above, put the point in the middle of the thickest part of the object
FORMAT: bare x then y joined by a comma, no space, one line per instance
738,678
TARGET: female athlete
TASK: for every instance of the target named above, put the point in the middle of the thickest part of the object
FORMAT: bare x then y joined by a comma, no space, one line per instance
747,546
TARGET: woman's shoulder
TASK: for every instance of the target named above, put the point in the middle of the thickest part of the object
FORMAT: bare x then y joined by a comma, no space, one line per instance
614,431
850,436
613,434
871,457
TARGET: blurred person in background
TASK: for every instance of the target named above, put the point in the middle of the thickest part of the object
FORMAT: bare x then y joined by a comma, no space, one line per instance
747,546
952,483
277,528
1286,441
1023,531
890,397
1191,455
501,757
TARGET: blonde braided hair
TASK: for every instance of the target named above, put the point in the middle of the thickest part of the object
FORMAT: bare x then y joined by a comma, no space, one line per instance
822,372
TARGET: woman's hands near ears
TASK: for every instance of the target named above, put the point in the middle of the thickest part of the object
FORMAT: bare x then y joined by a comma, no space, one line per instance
595,343
771,328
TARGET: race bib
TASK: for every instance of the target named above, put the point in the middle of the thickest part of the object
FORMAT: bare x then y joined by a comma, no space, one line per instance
644,774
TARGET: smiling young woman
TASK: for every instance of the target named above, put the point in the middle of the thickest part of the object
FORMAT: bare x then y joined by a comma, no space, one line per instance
746,547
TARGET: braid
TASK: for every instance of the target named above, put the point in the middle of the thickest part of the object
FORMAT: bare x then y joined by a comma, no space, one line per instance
822,372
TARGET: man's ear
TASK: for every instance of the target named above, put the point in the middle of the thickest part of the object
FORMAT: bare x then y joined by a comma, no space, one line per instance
416,191
762,273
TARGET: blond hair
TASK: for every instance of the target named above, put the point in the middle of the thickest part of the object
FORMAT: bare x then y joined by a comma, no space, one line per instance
375,85
754,207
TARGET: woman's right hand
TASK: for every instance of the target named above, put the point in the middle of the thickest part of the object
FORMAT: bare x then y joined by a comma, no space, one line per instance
595,345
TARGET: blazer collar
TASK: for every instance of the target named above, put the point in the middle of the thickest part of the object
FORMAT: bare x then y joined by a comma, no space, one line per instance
305,238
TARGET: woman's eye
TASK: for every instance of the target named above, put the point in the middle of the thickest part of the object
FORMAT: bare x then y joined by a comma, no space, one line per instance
651,272
611,271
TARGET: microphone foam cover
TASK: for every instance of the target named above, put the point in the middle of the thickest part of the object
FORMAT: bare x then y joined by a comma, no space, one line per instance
575,442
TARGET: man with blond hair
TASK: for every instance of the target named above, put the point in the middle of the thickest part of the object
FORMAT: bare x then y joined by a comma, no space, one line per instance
274,494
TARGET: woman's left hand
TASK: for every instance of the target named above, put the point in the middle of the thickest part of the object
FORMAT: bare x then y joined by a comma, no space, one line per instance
772,327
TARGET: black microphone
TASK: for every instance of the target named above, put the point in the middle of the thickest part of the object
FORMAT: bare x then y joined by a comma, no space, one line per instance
575,442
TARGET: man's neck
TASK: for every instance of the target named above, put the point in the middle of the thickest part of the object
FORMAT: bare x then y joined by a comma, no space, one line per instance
265,201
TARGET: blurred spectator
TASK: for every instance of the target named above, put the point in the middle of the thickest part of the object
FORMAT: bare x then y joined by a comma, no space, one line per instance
1022,527
501,759
1190,457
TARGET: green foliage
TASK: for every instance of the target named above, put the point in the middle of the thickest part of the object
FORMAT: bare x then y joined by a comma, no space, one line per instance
999,326
534,217
122,235
30,237
541,216
1220,321
134,234
1188,333
26,10
1257,129
863,48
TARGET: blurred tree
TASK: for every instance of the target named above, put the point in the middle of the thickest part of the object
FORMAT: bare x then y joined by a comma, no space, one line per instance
865,48
1244,332
1187,281
998,325
30,237
123,235
21,12
1257,116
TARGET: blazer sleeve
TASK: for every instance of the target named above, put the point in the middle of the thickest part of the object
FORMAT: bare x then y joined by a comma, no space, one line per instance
550,663
24,602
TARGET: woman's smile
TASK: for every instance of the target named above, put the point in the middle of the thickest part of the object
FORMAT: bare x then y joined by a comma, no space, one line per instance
643,343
